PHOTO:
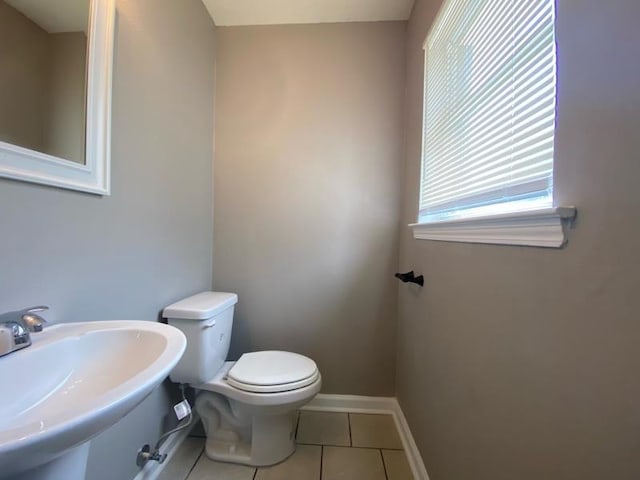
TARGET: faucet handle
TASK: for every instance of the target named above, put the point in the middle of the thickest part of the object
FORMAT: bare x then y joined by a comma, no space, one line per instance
39,308
32,320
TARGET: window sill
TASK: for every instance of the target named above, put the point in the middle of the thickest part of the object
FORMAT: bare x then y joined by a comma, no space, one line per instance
535,228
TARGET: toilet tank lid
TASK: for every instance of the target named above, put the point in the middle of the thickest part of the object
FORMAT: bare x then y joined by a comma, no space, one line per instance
201,306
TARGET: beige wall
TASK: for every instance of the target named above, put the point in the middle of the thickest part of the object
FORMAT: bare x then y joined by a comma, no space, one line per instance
307,193
147,245
65,121
522,363
24,79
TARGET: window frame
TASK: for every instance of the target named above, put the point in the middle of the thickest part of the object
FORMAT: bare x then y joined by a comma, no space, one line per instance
542,227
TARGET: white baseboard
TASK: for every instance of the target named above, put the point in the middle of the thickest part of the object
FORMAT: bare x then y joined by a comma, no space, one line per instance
351,403
410,447
152,470
381,405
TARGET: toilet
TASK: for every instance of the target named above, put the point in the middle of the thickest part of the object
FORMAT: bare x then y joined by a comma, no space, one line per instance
248,408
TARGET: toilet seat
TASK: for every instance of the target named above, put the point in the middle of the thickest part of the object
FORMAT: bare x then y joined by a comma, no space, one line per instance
272,372
219,384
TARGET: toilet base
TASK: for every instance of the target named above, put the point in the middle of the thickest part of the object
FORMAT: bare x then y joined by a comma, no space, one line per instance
271,442
238,433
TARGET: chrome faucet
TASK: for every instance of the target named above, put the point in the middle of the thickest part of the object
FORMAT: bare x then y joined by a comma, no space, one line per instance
16,328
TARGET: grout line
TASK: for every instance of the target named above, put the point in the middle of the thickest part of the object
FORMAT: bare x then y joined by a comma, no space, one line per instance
323,444
321,459
297,426
384,465
195,463
349,423
347,446
373,414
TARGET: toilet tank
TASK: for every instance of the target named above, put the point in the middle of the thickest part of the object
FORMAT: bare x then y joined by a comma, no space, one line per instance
206,320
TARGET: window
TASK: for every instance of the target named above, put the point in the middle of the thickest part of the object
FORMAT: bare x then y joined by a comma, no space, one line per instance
489,120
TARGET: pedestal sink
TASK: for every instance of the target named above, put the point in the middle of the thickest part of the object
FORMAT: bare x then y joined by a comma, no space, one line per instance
73,382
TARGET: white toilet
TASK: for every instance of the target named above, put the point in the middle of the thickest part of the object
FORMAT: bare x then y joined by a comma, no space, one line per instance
248,408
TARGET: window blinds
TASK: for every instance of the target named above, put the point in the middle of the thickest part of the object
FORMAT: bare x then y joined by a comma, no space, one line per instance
489,115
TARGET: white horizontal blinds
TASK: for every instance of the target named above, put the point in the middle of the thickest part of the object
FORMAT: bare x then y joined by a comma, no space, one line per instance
489,106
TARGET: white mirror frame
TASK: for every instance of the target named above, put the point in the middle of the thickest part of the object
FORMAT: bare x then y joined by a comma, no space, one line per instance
21,163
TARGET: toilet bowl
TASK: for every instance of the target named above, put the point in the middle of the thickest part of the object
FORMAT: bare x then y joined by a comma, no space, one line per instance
248,408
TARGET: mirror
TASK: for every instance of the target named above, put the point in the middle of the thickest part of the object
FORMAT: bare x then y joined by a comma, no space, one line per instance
42,76
55,92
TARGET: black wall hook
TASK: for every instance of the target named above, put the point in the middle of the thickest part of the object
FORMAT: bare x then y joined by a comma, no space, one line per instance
410,277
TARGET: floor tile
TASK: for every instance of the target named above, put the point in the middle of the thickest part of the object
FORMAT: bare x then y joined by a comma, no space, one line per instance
374,431
322,428
207,469
304,464
185,457
395,462
340,463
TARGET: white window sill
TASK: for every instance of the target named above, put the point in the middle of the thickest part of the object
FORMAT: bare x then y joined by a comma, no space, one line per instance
535,228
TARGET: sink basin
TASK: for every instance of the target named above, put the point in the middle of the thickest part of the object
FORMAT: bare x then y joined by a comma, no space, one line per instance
73,382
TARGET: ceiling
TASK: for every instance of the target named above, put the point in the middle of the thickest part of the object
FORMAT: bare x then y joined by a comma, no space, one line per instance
270,12
55,16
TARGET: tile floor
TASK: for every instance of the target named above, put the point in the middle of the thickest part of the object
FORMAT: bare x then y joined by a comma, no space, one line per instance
331,446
